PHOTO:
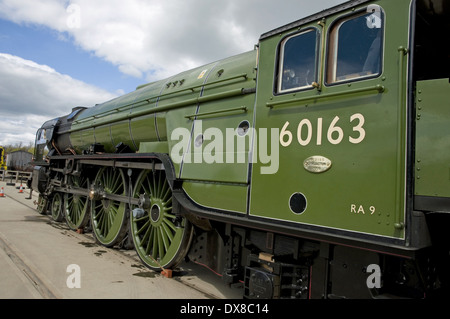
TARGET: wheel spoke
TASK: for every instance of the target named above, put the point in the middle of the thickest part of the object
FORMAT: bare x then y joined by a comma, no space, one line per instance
164,240
116,185
155,244
149,240
167,232
170,224
144,227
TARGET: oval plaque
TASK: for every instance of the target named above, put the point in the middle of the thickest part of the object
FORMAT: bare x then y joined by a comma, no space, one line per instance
317,164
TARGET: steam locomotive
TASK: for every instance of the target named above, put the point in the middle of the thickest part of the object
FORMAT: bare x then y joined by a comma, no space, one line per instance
314,166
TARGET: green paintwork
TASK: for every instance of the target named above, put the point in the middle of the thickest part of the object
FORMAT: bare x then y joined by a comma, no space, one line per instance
432,170
154,147
359,126
364,177
231,197
213,91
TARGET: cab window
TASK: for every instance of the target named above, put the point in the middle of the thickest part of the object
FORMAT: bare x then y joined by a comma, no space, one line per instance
297,67
355,47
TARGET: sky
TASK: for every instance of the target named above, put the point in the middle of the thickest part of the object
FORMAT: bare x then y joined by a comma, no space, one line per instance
59,54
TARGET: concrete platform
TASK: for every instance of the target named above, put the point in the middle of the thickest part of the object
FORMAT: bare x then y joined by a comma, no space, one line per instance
40,258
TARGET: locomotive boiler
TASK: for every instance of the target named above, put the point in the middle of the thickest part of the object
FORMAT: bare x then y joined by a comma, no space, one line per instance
314,166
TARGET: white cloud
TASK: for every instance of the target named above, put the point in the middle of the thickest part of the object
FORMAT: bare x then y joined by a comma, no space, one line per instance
15,130
155,39
31,93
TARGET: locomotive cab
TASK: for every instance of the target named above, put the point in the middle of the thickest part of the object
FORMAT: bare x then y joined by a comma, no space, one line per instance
360,99
44,137
53,137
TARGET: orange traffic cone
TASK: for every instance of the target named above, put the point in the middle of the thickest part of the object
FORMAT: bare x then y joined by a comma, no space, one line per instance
2,193
21,189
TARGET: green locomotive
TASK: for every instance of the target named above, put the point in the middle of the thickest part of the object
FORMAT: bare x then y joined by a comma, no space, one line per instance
314,166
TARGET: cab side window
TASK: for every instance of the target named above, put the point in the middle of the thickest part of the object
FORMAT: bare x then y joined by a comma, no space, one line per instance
355,47
298,61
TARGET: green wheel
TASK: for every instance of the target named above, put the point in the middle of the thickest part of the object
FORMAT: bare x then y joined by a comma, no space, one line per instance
109,217
76,207
161,238
56,207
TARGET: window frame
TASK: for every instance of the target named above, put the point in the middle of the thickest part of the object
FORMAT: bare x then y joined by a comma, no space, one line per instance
330,78
280,61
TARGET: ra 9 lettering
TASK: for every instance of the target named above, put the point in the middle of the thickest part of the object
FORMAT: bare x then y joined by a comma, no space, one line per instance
334,133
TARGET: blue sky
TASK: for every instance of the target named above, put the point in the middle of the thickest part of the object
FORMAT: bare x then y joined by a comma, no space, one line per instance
46,46
58,54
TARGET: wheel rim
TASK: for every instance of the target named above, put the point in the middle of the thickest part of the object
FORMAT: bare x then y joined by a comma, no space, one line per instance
57,207
108,216
161,239
76,206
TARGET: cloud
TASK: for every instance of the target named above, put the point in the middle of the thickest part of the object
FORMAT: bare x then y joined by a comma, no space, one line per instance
31,93
155,39
146,39
15,130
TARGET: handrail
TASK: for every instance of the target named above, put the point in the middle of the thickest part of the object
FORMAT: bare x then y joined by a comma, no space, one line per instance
377,88
242,108
402,52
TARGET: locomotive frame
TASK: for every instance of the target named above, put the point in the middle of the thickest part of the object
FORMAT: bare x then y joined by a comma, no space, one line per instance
343,197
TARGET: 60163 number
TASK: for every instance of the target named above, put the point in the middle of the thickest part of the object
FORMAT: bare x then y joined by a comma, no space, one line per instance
334,135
